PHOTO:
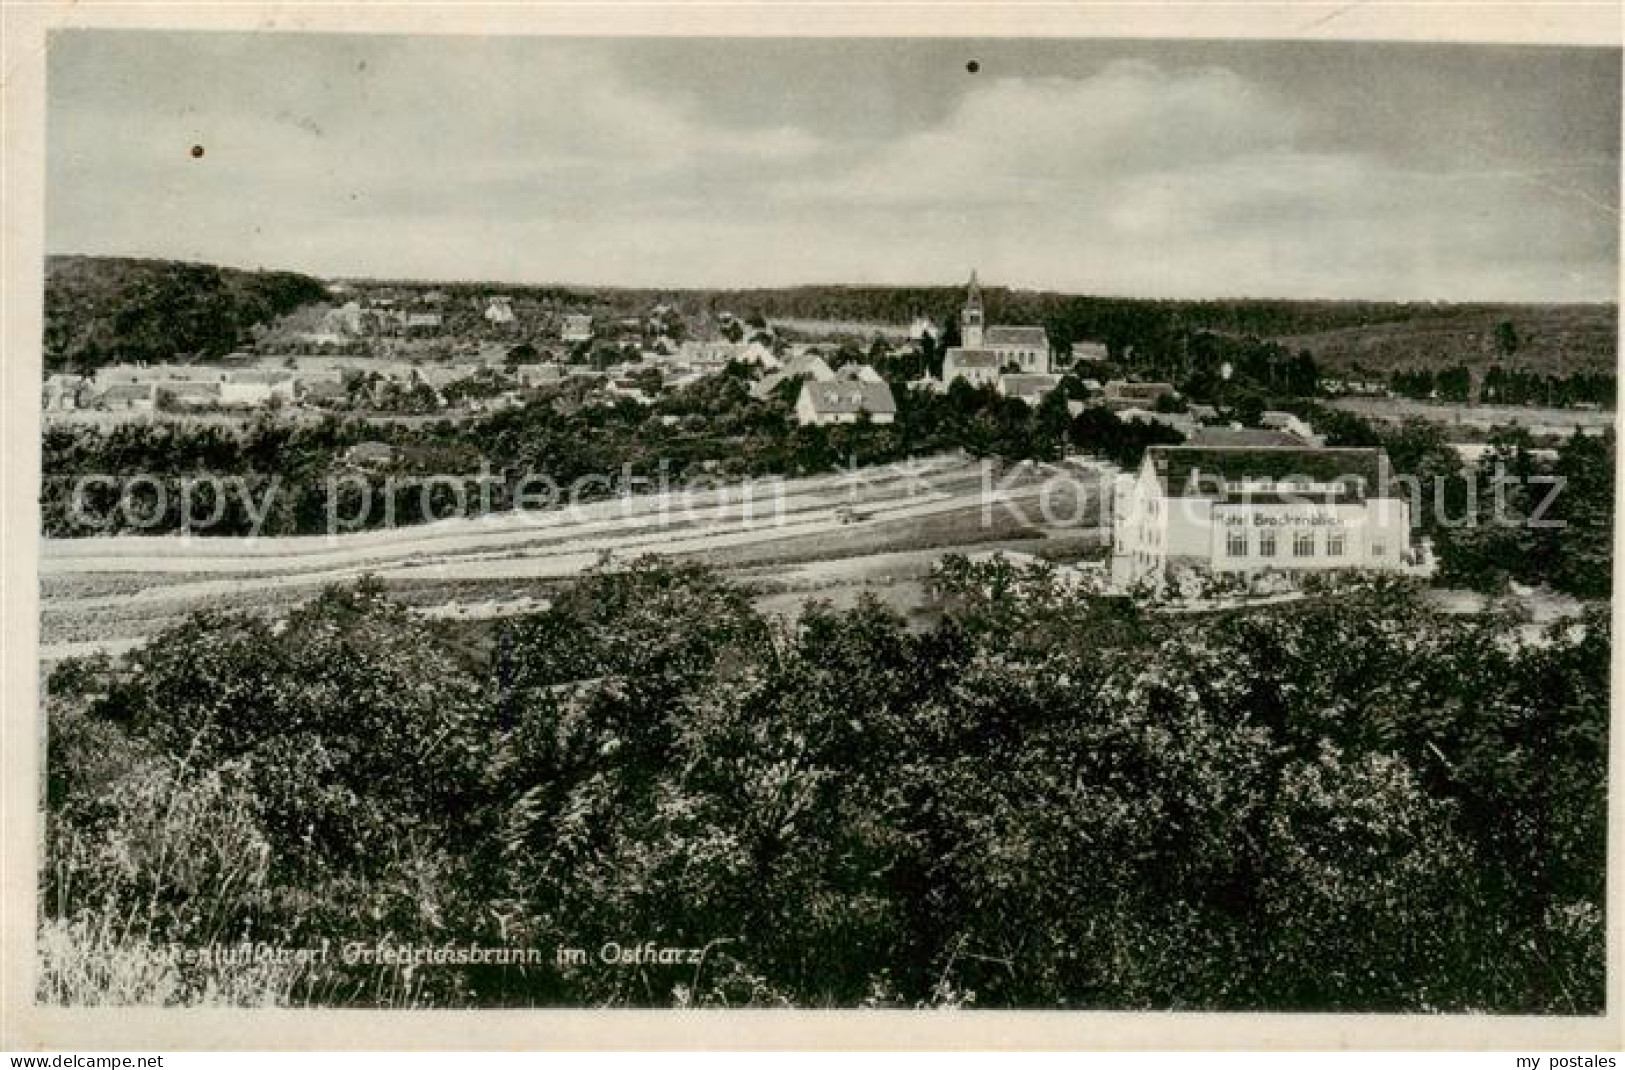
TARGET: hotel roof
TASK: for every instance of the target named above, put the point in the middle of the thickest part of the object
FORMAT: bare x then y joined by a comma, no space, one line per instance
1232,473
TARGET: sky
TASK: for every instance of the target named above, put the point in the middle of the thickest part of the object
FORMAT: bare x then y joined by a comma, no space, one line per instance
1136,168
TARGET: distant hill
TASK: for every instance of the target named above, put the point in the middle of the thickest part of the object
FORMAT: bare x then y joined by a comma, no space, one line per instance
103,309
1554,340
1339,334
99,310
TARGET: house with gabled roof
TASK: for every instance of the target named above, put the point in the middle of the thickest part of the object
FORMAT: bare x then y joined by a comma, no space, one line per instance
1123,394
128,396
978,367
806,366
1031,388
845,401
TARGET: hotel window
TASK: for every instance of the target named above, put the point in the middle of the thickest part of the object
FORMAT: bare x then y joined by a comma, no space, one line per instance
1235,544
1266,544
1303,544
1334,544
1378,549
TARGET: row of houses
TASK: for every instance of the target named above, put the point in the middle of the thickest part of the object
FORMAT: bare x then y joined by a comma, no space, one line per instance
1278,428
144,387
380,315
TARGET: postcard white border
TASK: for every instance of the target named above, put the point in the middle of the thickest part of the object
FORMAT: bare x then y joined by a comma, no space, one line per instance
24,1026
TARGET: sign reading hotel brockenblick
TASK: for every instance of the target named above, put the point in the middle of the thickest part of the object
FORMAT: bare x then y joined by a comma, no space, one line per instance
888,523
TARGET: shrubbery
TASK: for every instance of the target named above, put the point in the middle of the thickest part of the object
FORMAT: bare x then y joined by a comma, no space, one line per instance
1047,800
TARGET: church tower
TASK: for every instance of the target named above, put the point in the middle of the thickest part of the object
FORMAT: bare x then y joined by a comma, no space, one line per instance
970,317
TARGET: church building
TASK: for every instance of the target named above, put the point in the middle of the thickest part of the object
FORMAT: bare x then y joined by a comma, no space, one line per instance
986,351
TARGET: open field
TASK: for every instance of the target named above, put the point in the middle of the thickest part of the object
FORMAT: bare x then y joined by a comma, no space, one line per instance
1536,419
823,328
787,539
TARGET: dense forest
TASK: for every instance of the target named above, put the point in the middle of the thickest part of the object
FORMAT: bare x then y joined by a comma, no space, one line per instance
1046,801
102,310
1541,340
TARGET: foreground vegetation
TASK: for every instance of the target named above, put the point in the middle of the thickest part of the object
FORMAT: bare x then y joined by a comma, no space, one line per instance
1046,801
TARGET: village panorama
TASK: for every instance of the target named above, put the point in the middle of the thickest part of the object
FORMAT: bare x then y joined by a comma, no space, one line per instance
418,640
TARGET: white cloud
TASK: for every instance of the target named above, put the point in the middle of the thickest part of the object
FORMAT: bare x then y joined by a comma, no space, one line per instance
461,158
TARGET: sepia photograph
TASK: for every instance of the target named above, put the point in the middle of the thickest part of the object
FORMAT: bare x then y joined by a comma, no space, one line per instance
894,523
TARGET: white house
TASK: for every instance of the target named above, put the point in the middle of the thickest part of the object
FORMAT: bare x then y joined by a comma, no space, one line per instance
256,386
1292,425
844,402
1252,510
499,311
576,327
531,375
1088,352
61,391
142,397
976,366
322,391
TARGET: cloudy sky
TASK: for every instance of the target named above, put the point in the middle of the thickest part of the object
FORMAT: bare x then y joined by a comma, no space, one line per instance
1138,168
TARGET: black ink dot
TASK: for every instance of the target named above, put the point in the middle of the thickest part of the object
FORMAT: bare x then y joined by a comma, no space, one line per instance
973,66
197,152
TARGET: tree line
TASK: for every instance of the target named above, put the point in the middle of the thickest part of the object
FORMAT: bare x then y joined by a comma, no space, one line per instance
106,310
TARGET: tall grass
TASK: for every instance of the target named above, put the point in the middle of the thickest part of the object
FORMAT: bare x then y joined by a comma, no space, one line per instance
173,860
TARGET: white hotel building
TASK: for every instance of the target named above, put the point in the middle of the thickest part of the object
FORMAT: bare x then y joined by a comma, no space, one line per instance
1259,509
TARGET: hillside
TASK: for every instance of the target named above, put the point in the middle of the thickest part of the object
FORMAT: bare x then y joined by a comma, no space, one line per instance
99,310
1555,340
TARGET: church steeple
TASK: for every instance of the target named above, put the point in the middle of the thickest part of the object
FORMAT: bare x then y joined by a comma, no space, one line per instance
970,317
